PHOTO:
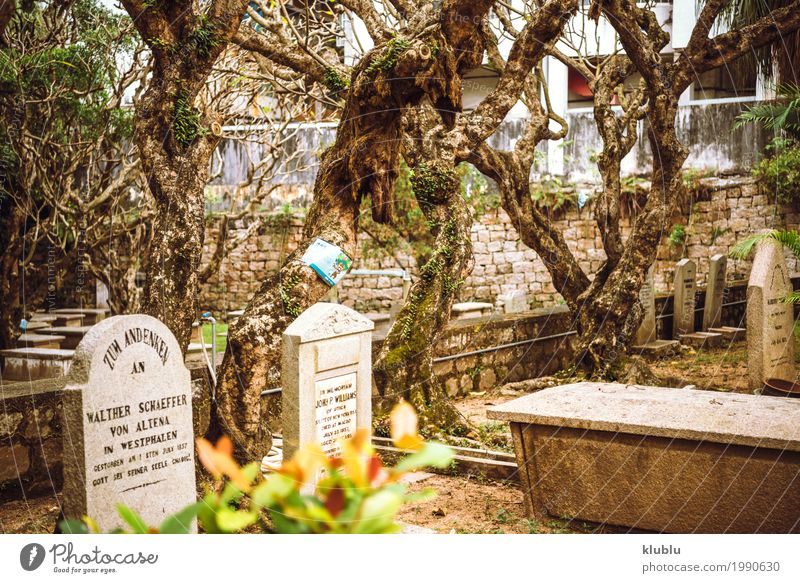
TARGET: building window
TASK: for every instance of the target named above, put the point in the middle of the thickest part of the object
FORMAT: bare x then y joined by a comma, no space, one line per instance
732,80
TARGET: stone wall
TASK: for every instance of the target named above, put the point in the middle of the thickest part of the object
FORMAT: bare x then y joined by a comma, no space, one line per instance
715,214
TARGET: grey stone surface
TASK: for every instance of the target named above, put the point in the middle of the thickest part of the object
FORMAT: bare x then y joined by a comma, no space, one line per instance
647,296
465,310
661,459
660,411
657,348
128,435
72,334
703,339
770,321
326,377
514,302
715,291
684,298
28,364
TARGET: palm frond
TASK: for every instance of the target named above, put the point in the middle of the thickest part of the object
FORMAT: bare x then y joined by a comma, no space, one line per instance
792,298
743,249
789,239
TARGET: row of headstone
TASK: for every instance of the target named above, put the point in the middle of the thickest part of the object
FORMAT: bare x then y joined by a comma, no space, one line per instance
127,408
684,304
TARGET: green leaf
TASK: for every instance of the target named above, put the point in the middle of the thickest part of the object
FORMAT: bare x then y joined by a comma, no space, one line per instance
433,454
181,521
235,520
275,487
73,526
132,518
378,512
743,249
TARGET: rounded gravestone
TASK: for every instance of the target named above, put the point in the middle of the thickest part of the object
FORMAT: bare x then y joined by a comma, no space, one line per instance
128,424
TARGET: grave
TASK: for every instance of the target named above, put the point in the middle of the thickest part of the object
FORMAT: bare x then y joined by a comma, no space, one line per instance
30,340
326,377
657,458
128,434
91,316
72,334
24,364
715,291
514,302
683,298
647,296
67,320
645,342
471,310
770,321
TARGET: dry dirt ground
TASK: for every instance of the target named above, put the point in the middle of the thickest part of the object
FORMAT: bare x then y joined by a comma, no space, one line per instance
470,504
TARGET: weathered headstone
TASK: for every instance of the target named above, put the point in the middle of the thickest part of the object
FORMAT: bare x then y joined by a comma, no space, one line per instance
326,377
684,298
715,291
770,321
128,435
515,302
647,296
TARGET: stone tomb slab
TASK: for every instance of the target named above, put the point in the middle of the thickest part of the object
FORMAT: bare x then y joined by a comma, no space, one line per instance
128,434
91,316
326,377
657,458
30,340
471,310
31,364
770,320
72,334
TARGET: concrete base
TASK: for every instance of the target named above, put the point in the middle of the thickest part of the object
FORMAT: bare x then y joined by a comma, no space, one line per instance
702,340
31,364
657,348
730,333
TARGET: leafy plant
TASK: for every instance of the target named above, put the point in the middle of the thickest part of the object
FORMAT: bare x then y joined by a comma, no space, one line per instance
311,493
783,116
789,239
677,236
780,170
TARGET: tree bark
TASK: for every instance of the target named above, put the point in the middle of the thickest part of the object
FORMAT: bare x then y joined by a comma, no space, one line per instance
363,162
404,368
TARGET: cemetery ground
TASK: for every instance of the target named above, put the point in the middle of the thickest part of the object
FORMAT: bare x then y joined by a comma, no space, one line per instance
473,503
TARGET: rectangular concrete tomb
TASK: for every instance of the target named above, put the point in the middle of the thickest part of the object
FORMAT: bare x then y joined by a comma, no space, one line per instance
128,435
31,364
326,377
657,458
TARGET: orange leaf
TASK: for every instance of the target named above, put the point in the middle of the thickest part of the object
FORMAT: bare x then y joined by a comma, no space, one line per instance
403,426
218,460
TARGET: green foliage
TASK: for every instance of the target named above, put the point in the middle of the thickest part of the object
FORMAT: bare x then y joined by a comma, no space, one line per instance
431,184
783,116
335,81
290,303
388,58
677,236
203,38
780,170
354,493
552,193
789,239
186,125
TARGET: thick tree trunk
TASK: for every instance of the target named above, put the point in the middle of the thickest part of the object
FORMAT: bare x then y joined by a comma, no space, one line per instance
611,312
176,174
364,161
404,368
